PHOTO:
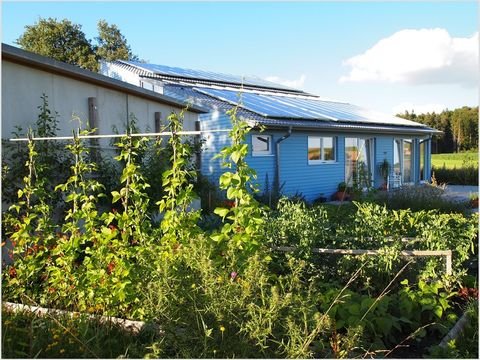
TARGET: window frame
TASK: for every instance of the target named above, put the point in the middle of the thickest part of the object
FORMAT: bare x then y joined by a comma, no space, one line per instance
413,159
322,150
263,153
368,148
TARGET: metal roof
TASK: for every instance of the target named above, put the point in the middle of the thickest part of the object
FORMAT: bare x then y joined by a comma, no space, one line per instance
305,107
202,98
202,76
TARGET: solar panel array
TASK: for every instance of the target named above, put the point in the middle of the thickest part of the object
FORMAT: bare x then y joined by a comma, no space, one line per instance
301,107
163,70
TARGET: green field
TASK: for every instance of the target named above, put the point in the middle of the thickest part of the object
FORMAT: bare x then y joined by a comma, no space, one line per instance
456,160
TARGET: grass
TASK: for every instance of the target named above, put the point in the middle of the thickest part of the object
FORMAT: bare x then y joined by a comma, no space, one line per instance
25,335
454,160
457,168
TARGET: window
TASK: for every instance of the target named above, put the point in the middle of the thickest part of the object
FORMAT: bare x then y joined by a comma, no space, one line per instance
321,149
403,157
359,162
261,145
423,159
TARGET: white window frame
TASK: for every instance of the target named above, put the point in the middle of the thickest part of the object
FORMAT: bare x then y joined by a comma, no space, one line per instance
264,152
370,154
413,161
322,150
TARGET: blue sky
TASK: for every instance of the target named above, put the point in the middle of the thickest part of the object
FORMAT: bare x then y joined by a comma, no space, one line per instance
388,56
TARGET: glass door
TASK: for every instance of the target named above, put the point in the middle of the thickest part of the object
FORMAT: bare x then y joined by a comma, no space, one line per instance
359,162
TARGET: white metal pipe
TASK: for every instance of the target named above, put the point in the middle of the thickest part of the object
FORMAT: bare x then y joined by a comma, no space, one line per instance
165,133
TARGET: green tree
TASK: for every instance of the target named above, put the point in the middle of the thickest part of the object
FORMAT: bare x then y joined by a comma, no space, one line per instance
65,41
112,45
465,128
459,127
60,40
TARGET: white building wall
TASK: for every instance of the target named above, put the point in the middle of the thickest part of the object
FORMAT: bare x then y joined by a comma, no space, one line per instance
22,87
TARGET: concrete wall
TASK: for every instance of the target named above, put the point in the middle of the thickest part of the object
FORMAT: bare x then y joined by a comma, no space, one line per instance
23,86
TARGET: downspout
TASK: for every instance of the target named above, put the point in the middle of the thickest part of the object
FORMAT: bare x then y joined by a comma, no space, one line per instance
276,185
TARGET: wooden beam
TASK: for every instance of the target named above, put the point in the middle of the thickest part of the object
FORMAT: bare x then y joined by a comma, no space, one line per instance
414,253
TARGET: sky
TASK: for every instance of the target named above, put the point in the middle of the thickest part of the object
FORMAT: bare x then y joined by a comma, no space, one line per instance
388,56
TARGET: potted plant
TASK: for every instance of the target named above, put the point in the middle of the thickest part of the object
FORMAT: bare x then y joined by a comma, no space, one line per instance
384,169
341,193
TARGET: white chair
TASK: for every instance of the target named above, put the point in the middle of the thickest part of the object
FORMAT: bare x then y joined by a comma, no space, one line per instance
394,181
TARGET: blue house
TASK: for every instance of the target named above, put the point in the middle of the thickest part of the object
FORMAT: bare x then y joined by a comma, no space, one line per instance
303,142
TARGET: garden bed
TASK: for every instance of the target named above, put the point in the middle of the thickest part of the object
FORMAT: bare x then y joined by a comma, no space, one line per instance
221,291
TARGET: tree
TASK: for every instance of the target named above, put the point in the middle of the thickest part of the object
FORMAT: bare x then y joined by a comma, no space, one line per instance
465,128
459,127
65,41
60,40
112,45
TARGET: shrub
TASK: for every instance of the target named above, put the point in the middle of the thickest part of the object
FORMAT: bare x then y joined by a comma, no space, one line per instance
466,175
417,198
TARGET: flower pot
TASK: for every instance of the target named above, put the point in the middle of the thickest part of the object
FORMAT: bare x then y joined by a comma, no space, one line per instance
341,196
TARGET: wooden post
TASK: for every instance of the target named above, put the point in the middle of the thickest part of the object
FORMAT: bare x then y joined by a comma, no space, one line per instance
92,113
93,124
198,150
158,121
449,263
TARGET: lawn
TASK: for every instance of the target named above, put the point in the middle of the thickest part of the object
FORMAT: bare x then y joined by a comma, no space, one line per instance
454,160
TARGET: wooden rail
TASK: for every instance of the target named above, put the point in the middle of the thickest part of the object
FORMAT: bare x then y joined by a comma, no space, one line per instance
419,253
130,325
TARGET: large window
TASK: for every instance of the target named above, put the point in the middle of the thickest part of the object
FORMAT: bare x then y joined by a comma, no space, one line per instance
321,149
359,162
261,145
423,160
403,157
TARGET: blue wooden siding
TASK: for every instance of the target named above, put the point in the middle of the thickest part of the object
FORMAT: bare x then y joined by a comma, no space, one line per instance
214,142
312,181
296,175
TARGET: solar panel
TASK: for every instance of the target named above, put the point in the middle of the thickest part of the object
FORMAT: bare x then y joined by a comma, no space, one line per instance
301,107
207,75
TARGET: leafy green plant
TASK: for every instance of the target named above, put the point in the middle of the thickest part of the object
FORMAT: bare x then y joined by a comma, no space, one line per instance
245,216
31,233
179,220
51,163
78,231
27,335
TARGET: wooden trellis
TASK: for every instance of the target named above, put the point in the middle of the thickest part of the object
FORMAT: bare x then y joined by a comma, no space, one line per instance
405,253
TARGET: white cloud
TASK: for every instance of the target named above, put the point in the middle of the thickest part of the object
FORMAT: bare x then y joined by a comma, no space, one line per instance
297,83
418,108
425,56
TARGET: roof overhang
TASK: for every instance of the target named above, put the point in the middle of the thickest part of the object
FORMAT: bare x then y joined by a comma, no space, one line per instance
344,127
22,57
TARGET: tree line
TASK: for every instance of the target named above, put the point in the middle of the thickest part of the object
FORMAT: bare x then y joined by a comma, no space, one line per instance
459,127
65,41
